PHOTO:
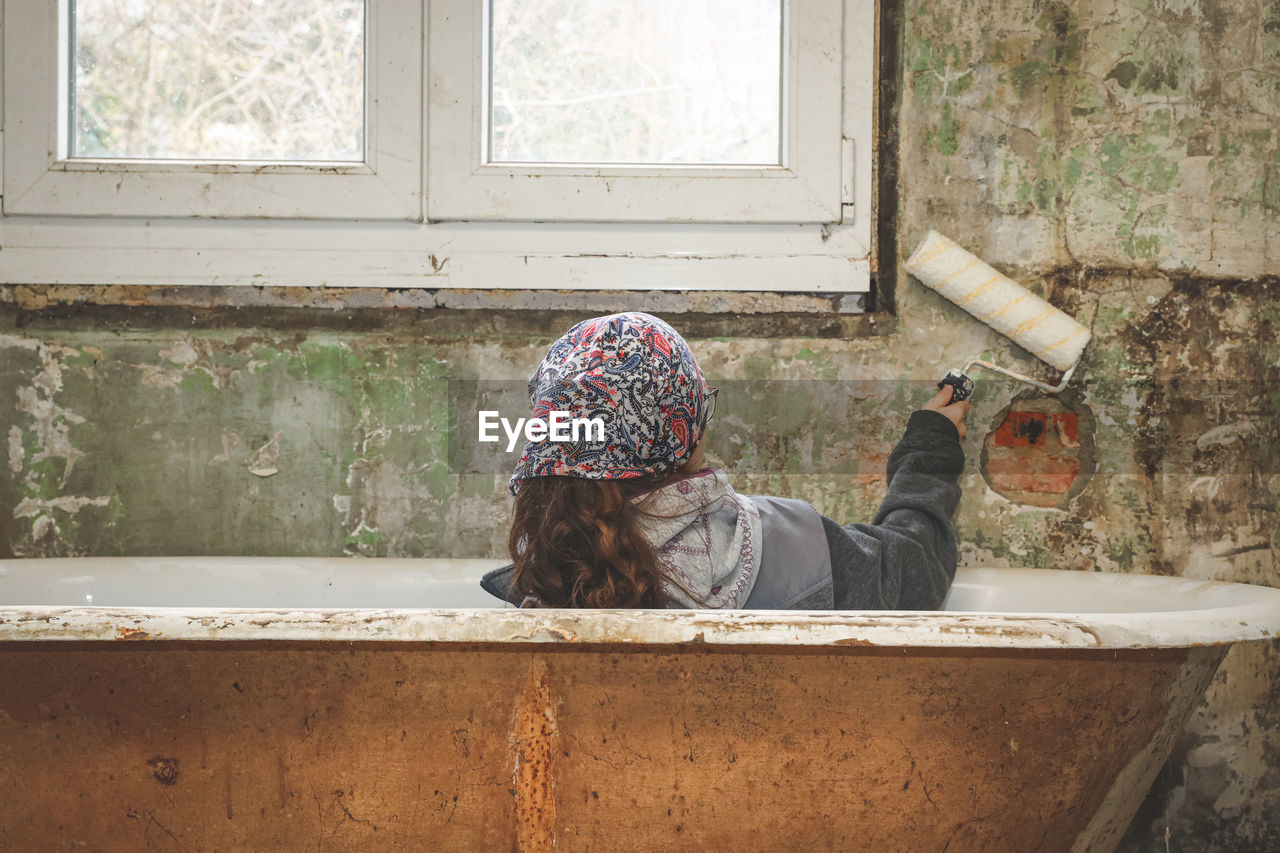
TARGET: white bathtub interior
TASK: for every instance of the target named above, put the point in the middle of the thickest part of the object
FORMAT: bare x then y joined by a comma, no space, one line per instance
352,583
992,590
240,582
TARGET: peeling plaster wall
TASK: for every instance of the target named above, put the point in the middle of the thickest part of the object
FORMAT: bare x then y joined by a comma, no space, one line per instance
1126,153
1121,158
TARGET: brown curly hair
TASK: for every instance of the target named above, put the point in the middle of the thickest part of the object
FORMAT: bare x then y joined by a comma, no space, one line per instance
578,543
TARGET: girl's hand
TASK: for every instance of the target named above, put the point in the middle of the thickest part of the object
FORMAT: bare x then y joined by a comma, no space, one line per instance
955,412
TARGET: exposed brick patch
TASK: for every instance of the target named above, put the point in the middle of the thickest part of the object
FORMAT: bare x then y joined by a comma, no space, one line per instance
1051,475
1035,455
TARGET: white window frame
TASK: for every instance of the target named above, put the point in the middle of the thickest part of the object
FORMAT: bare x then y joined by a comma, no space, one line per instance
41,178
805,188
262,226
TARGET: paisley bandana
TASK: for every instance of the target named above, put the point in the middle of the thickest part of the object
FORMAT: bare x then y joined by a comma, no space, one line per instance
637,375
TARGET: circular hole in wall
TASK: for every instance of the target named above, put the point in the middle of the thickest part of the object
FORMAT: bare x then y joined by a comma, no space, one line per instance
1040,450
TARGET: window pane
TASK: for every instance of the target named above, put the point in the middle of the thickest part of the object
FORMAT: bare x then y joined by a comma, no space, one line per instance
648,81
218,79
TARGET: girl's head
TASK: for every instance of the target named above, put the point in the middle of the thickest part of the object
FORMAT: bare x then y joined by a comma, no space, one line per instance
634,373
576,537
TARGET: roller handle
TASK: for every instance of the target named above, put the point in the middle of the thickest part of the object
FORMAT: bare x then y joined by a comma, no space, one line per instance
961,385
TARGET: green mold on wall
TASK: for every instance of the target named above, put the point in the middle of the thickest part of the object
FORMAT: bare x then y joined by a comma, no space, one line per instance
945,136
819,364
1027,75
364,542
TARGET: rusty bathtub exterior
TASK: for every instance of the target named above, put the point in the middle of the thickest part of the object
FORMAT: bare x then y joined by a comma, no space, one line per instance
463,729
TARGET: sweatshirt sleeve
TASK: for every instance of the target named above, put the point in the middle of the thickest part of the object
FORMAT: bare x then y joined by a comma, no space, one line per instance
906,558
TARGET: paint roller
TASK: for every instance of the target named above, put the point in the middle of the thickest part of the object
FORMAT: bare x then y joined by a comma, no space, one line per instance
1006,306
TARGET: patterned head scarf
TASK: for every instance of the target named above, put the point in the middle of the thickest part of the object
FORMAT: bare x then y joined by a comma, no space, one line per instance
636,374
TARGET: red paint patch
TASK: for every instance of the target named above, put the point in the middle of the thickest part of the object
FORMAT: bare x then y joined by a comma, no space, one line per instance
1038,429
1022,429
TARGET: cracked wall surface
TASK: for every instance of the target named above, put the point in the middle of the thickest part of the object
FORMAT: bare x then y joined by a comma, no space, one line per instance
1126,154
1121,159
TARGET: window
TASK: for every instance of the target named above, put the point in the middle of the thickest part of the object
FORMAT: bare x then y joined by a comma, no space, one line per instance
217,81
141,119
670,144
662,82
723,125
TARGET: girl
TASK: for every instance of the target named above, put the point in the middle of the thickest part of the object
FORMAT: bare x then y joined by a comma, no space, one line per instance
638,520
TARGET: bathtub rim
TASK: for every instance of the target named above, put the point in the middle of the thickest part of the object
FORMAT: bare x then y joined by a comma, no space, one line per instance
1255,618
886,629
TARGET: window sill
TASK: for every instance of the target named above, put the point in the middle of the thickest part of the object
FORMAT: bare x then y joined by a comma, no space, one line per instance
439,313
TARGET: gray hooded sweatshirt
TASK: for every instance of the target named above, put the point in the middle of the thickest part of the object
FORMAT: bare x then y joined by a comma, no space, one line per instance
905,559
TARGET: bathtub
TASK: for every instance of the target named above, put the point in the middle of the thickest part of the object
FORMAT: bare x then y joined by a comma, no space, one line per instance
346,704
